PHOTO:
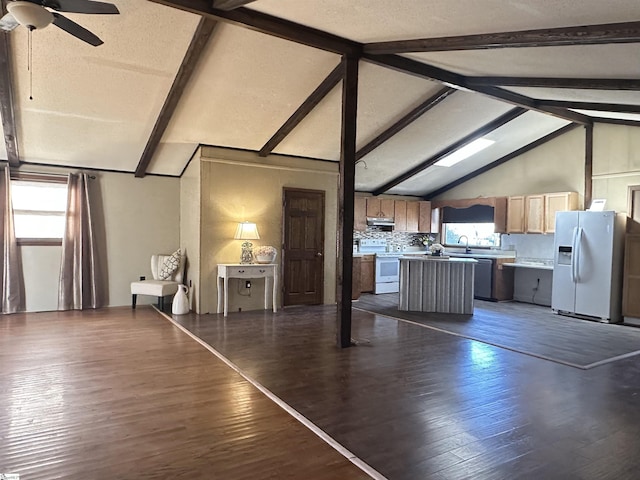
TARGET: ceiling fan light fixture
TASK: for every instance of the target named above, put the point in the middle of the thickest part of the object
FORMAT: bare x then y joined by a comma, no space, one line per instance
30,14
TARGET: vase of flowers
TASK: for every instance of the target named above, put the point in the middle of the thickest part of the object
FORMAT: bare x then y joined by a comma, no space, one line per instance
436,249
426,240
265,254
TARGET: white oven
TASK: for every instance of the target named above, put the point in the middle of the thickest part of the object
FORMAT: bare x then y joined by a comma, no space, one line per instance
387,273
387,265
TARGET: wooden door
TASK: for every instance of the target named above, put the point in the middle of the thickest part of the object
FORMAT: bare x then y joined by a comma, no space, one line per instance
303,247
630,297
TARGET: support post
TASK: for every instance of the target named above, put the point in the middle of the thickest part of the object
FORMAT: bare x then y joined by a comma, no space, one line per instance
346,190
588,166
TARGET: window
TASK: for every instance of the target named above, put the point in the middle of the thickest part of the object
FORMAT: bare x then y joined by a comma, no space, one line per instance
479,234
39,206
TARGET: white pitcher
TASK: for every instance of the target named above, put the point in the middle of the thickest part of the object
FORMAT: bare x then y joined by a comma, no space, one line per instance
180,304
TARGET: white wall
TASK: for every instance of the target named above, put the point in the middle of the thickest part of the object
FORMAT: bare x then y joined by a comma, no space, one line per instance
239,186
133,217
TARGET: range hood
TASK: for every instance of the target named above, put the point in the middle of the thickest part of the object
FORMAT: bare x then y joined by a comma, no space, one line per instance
380,222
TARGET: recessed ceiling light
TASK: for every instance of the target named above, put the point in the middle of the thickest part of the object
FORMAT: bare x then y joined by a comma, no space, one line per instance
464,152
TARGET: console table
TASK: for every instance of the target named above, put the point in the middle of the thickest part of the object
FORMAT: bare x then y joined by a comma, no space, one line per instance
245,270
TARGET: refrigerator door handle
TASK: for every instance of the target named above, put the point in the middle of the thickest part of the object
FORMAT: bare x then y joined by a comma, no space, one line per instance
574,272
576,255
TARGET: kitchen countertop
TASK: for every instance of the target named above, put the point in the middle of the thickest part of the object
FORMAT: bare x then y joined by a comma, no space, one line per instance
432,258
521,264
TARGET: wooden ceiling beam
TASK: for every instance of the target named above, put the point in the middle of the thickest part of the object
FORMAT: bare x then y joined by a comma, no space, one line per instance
478,133
597,106
270,25
627,32
543,82
201,37
460,82
230,4
406,120
7,107
617,121
500,161
304,109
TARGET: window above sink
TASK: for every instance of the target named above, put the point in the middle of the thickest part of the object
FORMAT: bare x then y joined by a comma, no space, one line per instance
479,235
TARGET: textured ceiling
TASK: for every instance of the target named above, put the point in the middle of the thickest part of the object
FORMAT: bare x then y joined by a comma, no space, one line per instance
95,107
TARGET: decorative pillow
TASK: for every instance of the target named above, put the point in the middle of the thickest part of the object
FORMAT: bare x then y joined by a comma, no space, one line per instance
170,265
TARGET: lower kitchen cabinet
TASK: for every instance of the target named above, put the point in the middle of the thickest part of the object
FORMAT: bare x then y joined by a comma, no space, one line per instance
356,289
367,273
502,279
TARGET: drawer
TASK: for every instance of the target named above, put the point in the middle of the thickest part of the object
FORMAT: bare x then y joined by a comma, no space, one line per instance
250,271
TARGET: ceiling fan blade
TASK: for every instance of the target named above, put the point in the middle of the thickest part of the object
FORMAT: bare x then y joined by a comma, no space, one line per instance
76,30
8,22
78,6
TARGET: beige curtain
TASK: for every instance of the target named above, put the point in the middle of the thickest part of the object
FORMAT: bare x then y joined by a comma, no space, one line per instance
80,286
12,298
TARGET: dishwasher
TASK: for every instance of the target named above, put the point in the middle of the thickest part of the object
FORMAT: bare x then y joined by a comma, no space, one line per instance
483,278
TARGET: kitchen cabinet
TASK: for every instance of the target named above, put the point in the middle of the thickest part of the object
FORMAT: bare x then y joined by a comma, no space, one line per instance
557,202
534,213
537,213
631,286
435,219
502,288
425,224
380,207
492,280
355,278
413,217
515,214
360,213
400,215
367,273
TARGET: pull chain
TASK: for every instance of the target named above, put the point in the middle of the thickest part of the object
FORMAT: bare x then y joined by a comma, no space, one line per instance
30,62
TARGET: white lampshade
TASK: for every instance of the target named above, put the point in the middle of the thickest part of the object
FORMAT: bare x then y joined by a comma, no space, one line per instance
30,14
247,231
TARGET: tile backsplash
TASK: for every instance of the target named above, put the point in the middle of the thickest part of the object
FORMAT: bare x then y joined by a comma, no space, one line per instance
400,238
529,245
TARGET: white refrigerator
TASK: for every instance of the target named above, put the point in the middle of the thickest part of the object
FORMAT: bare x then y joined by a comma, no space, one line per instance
587,269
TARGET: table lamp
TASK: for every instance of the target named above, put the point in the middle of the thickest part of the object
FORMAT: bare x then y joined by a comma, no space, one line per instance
247,231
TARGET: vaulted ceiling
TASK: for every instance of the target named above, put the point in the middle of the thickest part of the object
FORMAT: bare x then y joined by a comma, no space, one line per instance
266,76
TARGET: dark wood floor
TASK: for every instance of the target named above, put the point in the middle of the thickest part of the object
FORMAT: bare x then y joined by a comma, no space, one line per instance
525,328
416,403
124,394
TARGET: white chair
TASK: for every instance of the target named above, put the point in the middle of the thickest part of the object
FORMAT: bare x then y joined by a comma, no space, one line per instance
156,287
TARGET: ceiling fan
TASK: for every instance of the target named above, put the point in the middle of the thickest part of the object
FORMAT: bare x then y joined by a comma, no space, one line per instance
34,15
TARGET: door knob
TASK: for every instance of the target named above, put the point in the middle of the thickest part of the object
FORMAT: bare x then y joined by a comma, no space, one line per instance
319,254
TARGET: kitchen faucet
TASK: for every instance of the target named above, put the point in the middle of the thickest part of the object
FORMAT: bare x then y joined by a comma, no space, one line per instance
466,248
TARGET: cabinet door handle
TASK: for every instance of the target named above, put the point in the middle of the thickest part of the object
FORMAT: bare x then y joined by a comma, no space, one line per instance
240,271
262,271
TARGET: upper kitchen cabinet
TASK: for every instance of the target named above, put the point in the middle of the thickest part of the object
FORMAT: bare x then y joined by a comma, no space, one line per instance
515,214
413,216
380,207
537,213
534,213
425,218
360,213
400,216
557,202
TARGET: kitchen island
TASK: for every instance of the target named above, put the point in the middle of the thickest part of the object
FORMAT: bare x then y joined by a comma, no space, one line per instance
436,284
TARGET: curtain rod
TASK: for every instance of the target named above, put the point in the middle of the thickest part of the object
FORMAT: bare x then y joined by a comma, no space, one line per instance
92,177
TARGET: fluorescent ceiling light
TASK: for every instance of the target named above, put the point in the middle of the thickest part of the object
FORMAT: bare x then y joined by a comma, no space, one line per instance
465,152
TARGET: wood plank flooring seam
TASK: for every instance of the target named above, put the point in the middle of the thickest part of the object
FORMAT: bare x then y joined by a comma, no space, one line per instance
455,334
282,404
